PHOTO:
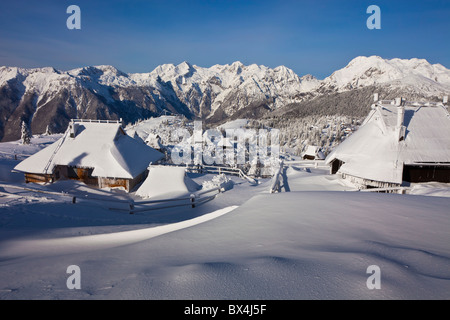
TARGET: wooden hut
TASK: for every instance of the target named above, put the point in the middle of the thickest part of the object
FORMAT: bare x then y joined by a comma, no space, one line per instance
313,153
398,142
95,152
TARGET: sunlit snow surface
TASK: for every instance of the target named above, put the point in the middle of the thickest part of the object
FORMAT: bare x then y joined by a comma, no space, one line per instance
313,240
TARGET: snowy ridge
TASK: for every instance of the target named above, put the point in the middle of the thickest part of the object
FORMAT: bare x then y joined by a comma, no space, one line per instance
374,70
361,71
51,247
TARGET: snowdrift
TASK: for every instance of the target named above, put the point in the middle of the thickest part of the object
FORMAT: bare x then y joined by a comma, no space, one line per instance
293,245
308,245
166,182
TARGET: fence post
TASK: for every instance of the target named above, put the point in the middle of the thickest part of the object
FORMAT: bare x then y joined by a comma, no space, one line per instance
131,208
74,199
192,198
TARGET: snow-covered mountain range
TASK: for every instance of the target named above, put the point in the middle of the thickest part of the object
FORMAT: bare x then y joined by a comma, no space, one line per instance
416,75
46,96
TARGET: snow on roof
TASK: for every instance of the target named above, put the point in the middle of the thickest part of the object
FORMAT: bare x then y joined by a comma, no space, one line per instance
166,182
103,146
314,151
374,151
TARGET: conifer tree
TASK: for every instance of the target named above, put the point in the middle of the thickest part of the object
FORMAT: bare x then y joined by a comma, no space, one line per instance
26,134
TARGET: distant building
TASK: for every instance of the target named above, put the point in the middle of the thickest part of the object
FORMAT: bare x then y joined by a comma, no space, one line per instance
313,153
96,152
398,141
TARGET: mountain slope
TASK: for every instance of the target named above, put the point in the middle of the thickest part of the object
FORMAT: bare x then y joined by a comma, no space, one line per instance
414,75
46,96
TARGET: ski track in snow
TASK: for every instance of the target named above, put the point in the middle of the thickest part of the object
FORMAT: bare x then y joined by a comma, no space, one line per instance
69,245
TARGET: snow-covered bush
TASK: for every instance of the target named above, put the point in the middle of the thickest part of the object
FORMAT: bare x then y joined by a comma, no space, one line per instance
221,181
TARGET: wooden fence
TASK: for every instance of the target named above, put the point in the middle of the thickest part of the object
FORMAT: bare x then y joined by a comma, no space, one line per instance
220,170
400,190
127,205
14,155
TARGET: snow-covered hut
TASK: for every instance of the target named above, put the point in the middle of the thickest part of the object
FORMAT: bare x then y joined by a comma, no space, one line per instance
313,153
166,182
398,141
97,152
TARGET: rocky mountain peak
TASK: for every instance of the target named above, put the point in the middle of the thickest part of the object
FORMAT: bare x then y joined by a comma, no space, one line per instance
46,96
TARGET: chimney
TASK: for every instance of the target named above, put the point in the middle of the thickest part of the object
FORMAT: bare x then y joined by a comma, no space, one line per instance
400,118
400,115
445,100
73,128
375,97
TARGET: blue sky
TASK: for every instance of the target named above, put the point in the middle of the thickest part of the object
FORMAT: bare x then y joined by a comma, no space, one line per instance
310,37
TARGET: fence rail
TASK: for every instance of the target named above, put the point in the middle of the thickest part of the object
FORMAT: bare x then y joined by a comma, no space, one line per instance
400,190
307,163
219,170
96,121
15,156
128,205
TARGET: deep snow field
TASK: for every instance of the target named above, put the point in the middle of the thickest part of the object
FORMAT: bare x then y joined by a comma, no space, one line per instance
313,240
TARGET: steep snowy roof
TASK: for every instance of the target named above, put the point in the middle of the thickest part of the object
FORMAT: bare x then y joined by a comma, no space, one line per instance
314,151
103,146
378,150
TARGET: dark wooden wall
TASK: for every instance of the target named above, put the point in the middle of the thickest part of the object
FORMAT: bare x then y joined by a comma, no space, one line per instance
426,173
